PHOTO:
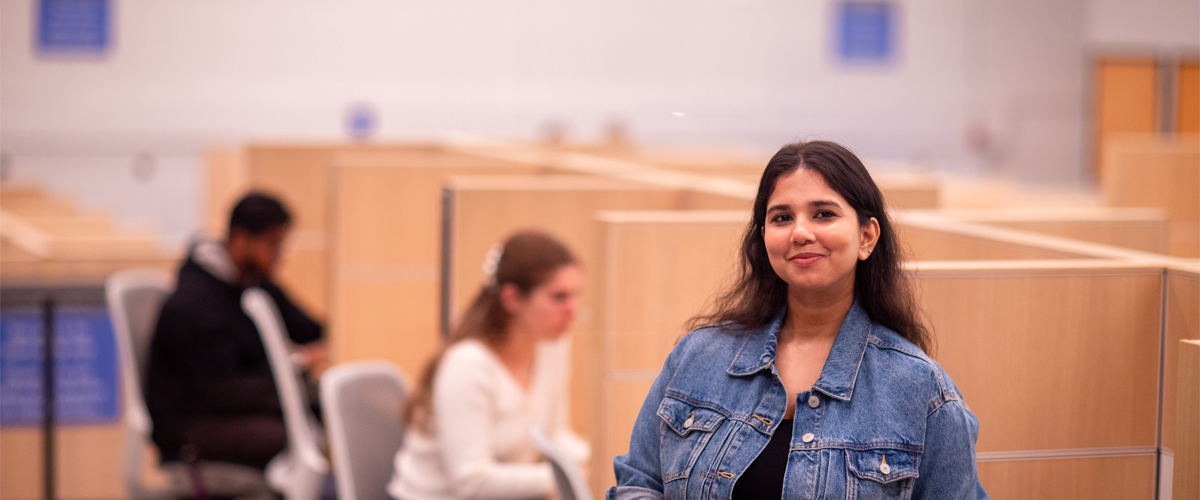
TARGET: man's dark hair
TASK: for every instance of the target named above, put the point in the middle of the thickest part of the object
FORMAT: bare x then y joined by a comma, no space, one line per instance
258,213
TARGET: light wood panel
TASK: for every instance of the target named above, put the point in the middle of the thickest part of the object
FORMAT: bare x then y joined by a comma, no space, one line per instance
485,210
1041,355
1187,452
927,244
655,271
87,463
227,174
904,194
1141,229
387,249
46,239
1116,478
1146,171
1182,322
299,175
900,189
1125,100
1187,101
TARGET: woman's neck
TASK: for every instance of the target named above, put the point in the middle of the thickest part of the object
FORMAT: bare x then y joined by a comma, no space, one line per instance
817,315
517,353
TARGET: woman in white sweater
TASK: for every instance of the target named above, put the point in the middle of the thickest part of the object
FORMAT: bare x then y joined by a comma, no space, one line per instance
503,372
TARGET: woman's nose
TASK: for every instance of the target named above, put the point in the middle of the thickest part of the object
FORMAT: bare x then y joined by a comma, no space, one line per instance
802,234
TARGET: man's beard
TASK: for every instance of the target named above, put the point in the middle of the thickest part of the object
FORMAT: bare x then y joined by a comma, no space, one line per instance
252,274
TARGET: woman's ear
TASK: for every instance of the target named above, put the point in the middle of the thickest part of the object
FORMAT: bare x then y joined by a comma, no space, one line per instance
510,297
870,236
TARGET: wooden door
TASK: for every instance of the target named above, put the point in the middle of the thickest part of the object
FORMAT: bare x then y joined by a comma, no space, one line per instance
1126,100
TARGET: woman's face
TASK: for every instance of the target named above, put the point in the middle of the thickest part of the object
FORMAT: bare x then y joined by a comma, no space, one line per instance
812,234
550,308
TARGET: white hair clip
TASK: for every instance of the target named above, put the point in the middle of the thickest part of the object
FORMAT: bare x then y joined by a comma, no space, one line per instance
491,263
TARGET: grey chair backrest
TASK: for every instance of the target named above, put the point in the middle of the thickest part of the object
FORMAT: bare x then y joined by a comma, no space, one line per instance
299,471
567,475
362,402
134,298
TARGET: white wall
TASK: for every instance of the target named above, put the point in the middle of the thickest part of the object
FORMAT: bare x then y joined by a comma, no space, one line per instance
1166,26
185,74
757,71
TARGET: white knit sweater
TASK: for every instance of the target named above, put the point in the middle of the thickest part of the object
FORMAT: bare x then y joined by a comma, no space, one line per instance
481,420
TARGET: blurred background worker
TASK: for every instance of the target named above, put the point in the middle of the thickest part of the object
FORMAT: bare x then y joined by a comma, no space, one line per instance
503,372
209,384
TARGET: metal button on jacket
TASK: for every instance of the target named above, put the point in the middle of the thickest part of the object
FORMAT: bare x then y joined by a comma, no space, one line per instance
814,401
807,437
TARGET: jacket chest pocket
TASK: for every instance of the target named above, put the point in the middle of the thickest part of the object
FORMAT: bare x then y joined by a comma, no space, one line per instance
880,473
686,430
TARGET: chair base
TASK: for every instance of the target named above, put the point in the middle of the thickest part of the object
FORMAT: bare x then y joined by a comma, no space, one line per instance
221,479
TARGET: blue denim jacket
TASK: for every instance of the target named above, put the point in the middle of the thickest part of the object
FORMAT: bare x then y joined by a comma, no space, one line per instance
882,421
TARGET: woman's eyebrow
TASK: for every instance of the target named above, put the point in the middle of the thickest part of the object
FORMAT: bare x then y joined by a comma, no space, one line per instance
824,203
781,206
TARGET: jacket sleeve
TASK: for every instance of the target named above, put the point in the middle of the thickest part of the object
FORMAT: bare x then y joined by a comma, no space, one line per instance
639,473
206,373
948,469
300,326
463,420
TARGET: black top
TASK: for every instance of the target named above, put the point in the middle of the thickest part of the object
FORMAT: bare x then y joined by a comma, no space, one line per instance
206,358
764,477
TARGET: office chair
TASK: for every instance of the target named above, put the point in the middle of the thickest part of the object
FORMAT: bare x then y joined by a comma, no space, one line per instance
299,471
362,402
135,297
567,475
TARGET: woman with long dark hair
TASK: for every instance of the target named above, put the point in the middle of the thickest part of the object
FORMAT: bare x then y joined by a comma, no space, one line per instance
811,379
502,372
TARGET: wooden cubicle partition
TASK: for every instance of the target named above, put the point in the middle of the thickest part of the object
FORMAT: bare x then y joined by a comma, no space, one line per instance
655,270
482,211
226,179
1182,322
300,175
1152,171
901,186
1042,372
387,248
1140,229
1186,482
1086,332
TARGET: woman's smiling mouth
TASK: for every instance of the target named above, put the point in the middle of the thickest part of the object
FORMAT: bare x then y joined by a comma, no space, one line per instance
805,259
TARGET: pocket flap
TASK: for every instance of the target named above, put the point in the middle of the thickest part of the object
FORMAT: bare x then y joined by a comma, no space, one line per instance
883,465
683,417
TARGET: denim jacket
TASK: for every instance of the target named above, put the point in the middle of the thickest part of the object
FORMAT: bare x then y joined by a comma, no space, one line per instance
882,421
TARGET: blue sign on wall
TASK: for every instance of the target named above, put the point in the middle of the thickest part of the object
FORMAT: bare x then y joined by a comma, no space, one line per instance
74,26
866,31
85,366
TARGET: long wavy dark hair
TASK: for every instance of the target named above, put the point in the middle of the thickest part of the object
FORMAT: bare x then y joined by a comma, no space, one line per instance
880,286
527,260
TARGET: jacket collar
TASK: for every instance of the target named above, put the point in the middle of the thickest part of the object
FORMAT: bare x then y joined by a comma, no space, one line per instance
841,367
214,259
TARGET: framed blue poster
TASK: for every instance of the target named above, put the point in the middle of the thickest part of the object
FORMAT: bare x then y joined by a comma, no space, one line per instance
866,32
73,27
85,365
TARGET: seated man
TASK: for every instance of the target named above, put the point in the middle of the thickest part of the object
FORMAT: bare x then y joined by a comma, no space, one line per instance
209,387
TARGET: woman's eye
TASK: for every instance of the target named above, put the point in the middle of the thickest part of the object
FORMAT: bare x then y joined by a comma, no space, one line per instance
781,218
824,214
